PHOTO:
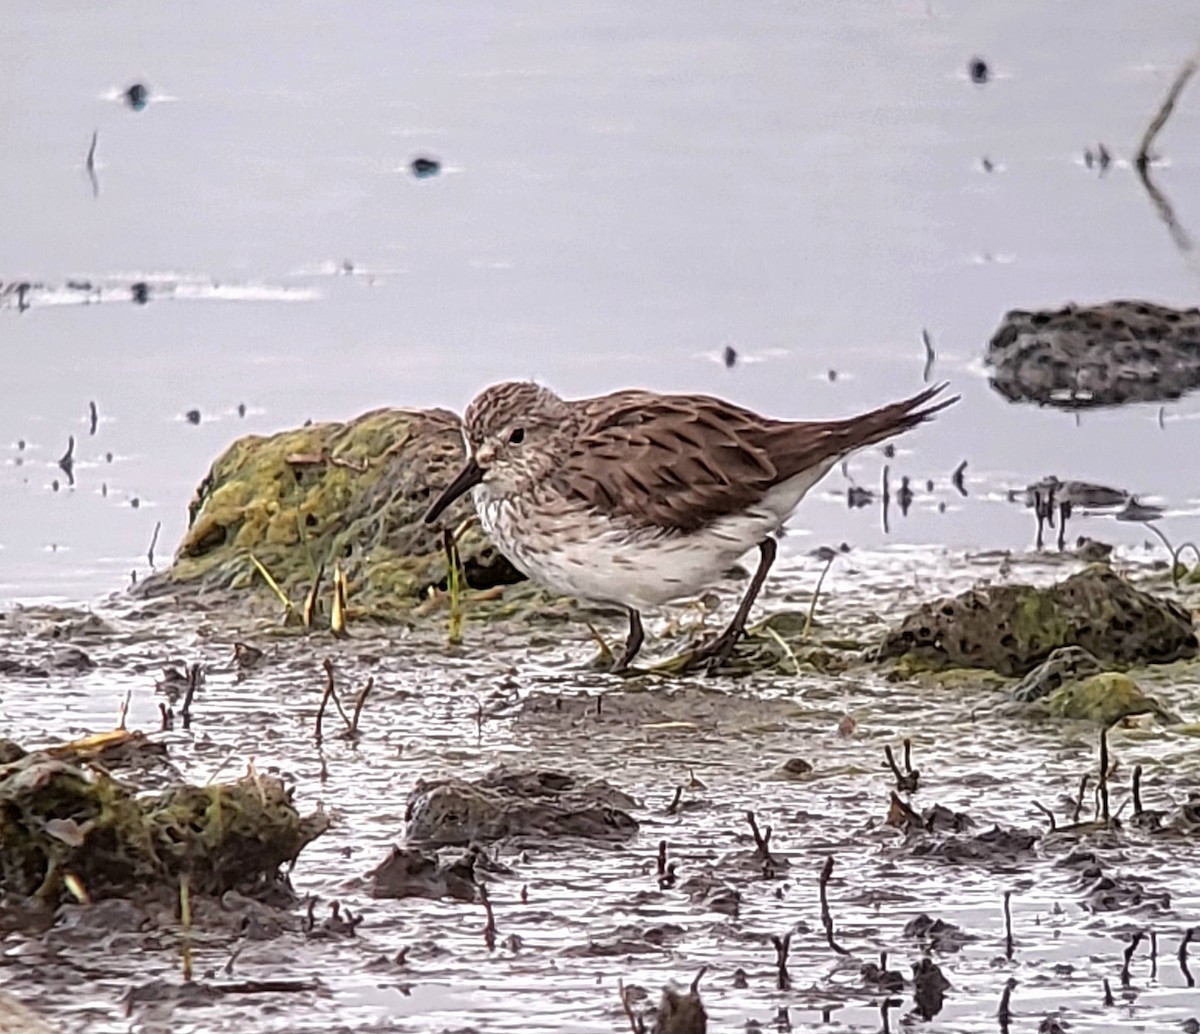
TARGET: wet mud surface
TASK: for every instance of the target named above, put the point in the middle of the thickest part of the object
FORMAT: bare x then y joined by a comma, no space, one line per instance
920,863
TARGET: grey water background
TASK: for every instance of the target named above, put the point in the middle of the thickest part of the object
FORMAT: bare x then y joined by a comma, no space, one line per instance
627,190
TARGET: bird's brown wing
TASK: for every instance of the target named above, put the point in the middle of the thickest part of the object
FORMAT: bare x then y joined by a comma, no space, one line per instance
680,461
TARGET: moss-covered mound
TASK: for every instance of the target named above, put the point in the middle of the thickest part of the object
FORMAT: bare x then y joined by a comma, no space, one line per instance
1105,698
69,830
1012,628
354,493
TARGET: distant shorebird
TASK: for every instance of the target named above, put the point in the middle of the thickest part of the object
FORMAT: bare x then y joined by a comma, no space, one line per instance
637,498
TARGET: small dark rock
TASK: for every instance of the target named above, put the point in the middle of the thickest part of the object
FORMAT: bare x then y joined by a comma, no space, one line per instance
506,804
729,357
411,873
140,292
680,1012
937,933
424,168
930,987
137,96
192,416
978,70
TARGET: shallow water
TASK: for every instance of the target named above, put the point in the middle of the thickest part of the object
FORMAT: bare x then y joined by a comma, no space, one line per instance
625,193
588,907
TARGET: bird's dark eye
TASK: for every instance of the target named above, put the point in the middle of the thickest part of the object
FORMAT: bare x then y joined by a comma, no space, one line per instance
517,437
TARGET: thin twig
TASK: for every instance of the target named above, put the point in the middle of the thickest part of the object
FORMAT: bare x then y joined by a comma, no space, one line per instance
1008,934
1188,937
489,929
1083,784
1164,113
1104,814
1130,948
153,542
91,164
782,946
324,699
1137,790
826,916
1004,1013
195,676
762,841
635,1023
1048,813
359,701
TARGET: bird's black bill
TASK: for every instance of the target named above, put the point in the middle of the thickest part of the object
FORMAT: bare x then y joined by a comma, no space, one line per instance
467,479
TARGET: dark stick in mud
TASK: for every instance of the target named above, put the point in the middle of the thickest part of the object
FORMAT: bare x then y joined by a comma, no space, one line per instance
673,807
662,859
1166,213
1164,113
907,780
1130,948
1108,995
331,693
782,946
489,928
1008,934
195,675
1153,955
359,702
826,916
635,1023
93,419
1004,1013
1104,775
324,699
762,842
1048,813
930,355
1137,790
695,988
153,542
1188,937
1083,785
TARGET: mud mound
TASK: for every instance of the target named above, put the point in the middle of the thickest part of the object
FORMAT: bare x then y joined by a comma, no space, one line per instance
1101,355
1012,628
354,493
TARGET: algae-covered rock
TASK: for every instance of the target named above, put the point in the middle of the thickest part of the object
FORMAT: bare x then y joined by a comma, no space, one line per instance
1100,355
64,826
506,804
1063,665
1104,698
1012,628
354,492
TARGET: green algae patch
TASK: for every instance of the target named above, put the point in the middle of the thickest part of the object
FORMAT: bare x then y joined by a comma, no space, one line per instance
71,829
1105,698
1010,629
354,494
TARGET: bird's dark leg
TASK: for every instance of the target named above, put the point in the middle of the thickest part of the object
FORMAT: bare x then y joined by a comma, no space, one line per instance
1064,511
713,655
637,635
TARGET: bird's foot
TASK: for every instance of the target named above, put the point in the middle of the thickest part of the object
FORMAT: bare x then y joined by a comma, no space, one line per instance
712,656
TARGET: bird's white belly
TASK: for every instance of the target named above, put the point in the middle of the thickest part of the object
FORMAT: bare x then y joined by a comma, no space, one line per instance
614,560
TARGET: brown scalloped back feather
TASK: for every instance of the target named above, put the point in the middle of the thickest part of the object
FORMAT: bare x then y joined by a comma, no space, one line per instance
681,461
